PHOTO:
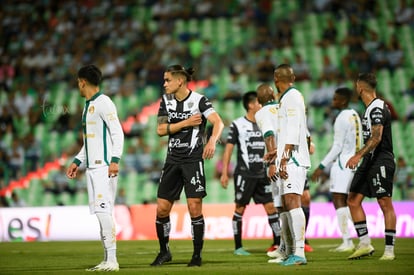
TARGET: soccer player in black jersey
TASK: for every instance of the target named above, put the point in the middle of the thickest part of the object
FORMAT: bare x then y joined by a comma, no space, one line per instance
250,177
182,116
374,175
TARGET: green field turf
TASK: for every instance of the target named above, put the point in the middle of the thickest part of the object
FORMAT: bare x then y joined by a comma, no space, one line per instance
134,257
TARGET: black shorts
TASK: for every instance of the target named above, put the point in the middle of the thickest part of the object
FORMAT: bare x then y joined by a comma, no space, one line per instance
374,179
260,189
175,177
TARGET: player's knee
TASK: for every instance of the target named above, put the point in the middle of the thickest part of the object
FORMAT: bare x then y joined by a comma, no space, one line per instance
385,204
352,202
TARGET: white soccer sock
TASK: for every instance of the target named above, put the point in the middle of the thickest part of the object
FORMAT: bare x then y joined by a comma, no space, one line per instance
108,236
389,249
286,234
297,223
365,239
344,216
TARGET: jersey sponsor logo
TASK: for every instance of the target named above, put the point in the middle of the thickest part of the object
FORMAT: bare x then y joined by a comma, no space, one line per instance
176,143
98,161
255,158
273,111
251,134
376,115
102,205
178,115
111,116
255,144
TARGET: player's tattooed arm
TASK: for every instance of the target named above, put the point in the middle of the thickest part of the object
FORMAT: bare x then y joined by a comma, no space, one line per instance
162,120
163,126
373,141
371,144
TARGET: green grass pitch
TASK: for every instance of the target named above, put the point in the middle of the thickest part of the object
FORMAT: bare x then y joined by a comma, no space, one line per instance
134,257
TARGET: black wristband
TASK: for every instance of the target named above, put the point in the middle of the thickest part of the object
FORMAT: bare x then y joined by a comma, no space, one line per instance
168,129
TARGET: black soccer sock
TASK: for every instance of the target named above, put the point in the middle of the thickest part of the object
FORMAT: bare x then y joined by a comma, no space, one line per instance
197,225
306,211
163,227
237,229
274,223
361,228
390,236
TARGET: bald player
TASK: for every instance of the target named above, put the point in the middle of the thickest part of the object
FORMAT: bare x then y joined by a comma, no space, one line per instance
292,159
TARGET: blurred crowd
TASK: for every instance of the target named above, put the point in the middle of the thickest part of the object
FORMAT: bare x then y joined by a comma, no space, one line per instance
45,42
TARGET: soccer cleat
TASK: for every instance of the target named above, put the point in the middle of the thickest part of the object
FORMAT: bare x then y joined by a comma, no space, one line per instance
308,248
162,258
195,261
271,251
105,266
272,248
97,267
276,260
344,247
294,260
241,252
278,253
361,251
387,256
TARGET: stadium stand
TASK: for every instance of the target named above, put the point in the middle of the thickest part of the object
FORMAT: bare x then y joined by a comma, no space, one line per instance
43,44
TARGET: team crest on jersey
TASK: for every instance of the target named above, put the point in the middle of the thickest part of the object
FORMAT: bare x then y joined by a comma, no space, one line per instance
190,105
91,109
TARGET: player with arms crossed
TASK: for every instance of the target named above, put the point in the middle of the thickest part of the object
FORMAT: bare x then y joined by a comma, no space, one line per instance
292,159
103,141
182,116
250,179
347,140
374,175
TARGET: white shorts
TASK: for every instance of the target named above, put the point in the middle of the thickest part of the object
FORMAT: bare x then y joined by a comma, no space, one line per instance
101,190
295,183
276,191
340,179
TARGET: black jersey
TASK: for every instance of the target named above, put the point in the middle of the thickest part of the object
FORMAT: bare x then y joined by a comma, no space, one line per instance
376,113
187,144
250,147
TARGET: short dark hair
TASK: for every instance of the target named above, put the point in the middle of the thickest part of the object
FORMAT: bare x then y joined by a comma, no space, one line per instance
368,78
90,73
249,97
178,69
345,92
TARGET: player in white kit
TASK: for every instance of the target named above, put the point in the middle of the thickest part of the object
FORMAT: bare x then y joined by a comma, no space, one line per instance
102,149
292,159
267,120
347,140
